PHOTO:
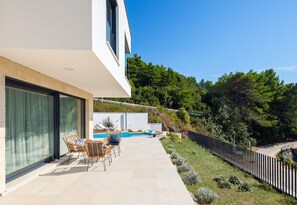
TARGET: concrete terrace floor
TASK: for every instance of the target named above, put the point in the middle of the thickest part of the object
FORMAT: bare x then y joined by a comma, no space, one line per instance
143,174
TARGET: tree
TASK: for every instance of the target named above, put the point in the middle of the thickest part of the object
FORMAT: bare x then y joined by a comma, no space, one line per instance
244,105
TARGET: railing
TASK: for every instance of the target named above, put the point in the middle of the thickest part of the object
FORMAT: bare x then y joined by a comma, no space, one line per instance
277,173
131,104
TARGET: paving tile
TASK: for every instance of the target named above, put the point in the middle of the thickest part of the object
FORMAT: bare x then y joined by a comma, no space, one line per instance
143,174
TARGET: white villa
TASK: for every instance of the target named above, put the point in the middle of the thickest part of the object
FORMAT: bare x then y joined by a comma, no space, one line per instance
55,56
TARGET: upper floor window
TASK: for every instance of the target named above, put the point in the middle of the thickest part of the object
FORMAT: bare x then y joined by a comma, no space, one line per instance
111,24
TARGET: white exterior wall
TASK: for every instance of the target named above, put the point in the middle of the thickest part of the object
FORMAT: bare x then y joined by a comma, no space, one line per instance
100,47
155,126
137,121
46,24
118,119
124,121
53,37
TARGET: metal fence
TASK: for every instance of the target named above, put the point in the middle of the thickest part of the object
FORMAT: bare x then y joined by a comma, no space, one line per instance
279,174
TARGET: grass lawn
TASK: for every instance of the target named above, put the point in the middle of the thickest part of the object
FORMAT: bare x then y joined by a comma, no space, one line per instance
208,166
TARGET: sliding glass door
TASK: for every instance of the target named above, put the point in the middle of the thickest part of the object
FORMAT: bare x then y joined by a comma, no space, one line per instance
29,128
37,119
71,119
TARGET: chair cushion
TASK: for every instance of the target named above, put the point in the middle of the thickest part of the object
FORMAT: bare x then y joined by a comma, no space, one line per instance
80,141
115,138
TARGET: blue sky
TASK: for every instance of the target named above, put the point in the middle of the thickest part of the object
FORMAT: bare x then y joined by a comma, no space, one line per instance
207,38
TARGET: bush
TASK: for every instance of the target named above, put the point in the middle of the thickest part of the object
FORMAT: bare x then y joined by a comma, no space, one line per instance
174,155
130,130
179,161
245,187
223,184
191,178
173,136
183,168
219,178
170,150
184,116
205,195
234,180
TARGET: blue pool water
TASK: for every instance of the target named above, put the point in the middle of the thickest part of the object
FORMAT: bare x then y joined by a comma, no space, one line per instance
124,134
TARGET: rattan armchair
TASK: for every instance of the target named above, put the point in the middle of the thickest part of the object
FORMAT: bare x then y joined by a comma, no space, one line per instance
97,150
73,145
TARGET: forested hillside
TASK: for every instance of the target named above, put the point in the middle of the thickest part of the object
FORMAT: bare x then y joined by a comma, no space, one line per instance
241,106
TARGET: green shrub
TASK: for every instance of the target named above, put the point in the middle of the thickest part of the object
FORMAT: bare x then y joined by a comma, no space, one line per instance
179,161
173,136
219,178
191,178
183,168
223,184
205,195
234,180
154,118
245,187
281,156
170,150
130,130
174,155
184,116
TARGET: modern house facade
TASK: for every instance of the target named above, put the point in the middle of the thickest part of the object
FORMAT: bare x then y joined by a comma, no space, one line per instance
55,56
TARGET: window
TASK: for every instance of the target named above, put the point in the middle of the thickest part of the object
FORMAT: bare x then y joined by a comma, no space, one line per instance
111,24
29,128
36,121
71,119
127,52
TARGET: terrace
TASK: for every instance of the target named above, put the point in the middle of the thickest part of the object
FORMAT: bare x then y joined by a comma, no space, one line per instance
143,174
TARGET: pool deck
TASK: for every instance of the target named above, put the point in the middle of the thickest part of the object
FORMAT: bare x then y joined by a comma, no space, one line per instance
143,174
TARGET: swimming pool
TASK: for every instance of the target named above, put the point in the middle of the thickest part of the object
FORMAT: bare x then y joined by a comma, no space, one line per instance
124,134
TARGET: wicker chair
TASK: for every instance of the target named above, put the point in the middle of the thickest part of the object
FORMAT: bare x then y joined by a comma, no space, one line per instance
73,145
105,141
97,150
